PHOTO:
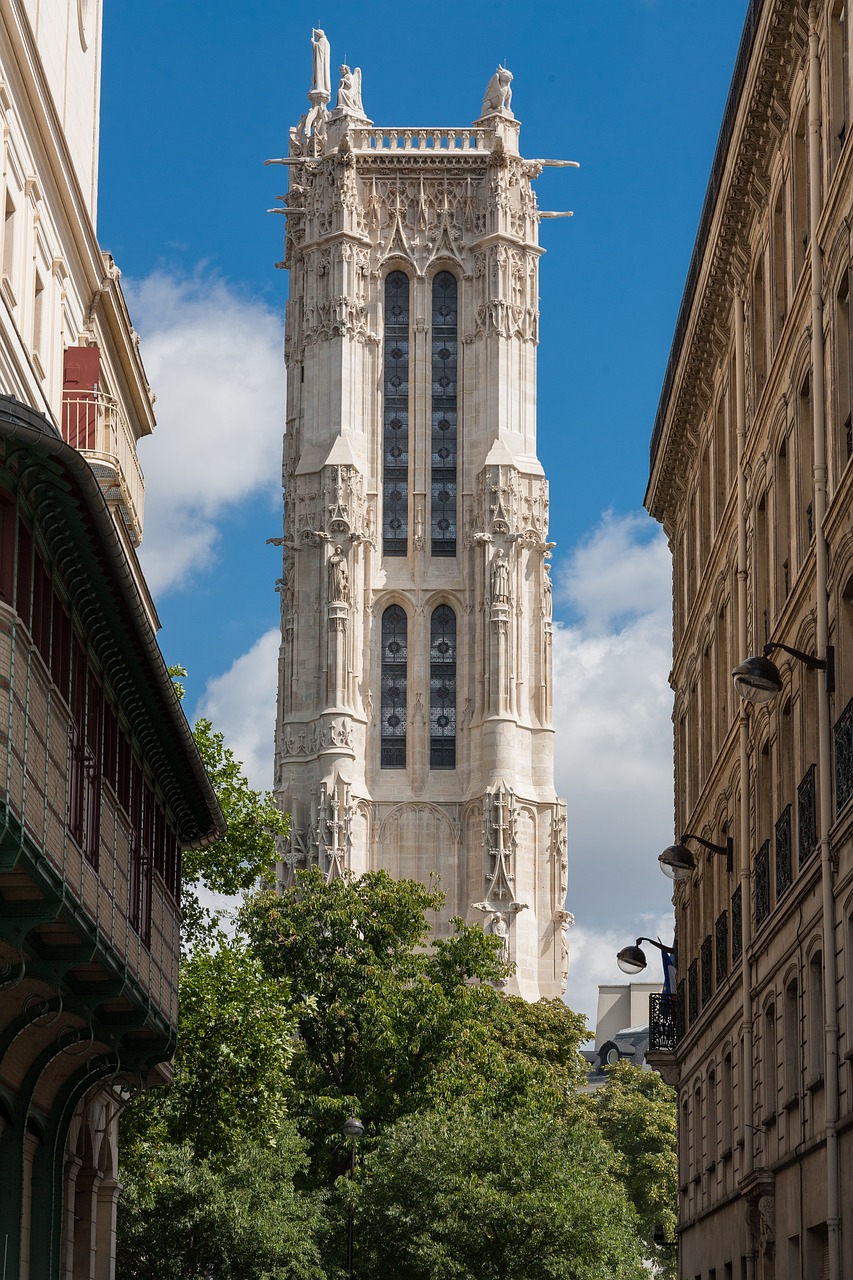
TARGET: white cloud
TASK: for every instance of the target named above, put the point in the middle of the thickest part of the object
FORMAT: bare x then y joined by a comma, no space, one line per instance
214,360
241,704
612,706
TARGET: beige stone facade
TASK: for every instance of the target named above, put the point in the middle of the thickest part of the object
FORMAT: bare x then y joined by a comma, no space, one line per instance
100,782
414,723
752,480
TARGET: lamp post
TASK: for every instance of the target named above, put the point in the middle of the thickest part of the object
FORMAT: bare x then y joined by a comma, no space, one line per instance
352,1129
632,960
677,860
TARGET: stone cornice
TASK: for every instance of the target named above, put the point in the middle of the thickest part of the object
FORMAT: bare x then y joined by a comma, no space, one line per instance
735,198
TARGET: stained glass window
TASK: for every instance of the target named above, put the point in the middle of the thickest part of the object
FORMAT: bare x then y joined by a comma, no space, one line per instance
394,659
442,689
445,346
395,424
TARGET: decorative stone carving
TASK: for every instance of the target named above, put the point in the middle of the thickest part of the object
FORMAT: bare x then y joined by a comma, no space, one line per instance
500,578
338,575
349,92
498,94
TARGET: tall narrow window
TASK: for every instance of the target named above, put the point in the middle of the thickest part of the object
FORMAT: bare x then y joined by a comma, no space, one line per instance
800,168
394,657
444,365
844,369
8,238
837,33
759,328
442,689
395,427
780,265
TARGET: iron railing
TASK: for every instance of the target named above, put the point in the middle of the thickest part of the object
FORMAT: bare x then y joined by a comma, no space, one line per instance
807,816
664,1029
843,734
784,874
762,884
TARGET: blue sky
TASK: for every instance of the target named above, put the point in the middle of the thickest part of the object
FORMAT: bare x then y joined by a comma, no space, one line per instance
195,96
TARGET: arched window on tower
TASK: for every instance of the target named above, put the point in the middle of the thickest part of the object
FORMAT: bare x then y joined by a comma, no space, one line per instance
442,689
445,344
395,652
395,422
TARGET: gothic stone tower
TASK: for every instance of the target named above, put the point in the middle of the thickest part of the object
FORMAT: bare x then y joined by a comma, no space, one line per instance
414,717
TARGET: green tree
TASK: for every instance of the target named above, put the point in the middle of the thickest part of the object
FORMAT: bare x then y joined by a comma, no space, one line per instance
380,1016
209,1165
246,854
637,1114
487,1195
188,1217
230,1070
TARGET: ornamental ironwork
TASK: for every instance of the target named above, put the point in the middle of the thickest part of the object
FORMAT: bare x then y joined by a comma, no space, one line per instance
721,940
762,883
663,1022
737,923
707,959
395,654
445,350
807,816
693,991
680,1010
395,417
442,689
843,734
784,874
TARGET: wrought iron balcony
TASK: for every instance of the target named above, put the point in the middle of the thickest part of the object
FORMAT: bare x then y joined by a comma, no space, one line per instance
664,1028
93,423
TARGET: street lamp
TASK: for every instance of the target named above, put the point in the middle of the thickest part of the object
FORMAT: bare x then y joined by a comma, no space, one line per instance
632,960
352,1129
678,862
758,679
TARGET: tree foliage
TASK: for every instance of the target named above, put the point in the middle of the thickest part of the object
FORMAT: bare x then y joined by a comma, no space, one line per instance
479,1158
486,1195
379,1015
637,1114
246,853
183,1216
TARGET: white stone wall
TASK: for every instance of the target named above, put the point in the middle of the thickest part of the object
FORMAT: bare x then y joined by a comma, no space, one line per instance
361,203
58,289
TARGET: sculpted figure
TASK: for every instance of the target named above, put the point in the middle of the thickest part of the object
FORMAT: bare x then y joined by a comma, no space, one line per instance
500,577
498,93
321,59
349,92
499,927
547,600
338,577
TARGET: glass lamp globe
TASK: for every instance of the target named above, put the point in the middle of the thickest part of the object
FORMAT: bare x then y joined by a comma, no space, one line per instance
677,862
757,680
631,960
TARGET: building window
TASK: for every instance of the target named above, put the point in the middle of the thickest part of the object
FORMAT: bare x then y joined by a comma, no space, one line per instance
792,1041
395,422
442,689
800,169
816,1039
394,661
445,350
844,368
837,78
770,1062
